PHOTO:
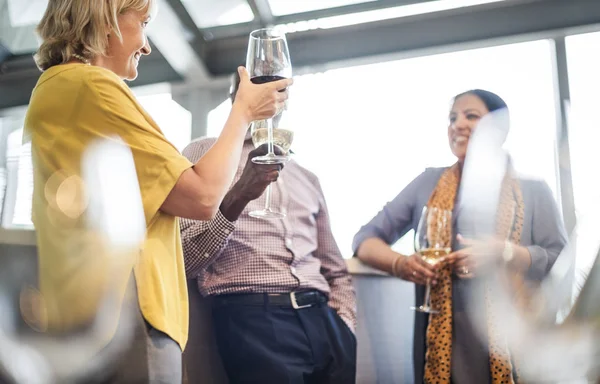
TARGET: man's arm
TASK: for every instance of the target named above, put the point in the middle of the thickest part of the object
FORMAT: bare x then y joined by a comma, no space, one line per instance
204,241
333,267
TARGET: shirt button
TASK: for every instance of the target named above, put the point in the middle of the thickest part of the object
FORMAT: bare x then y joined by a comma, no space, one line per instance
205,255
227,231
288,243
293,269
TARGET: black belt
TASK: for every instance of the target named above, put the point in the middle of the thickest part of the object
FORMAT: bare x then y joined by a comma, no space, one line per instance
296,300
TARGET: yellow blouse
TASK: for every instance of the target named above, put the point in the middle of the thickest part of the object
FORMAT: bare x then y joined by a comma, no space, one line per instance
73,106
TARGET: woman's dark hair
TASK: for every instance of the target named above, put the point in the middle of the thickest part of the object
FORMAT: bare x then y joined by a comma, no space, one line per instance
492,101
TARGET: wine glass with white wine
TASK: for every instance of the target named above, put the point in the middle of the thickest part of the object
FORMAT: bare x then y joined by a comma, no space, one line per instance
283,136
433,241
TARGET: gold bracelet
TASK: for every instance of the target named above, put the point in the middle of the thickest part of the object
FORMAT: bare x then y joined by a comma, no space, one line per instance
395,264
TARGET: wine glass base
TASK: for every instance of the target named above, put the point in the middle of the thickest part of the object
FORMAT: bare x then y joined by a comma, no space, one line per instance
267,214
425,309
270,159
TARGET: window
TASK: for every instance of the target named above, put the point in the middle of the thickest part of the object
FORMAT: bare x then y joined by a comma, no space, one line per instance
19,191
216,119
3,173
23,13
210,13
174,120
368,131
583,60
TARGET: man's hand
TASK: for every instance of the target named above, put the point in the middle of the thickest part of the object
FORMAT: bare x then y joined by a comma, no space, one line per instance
251,185
256,177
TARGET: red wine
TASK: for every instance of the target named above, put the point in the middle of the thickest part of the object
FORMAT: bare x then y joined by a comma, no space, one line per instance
267,79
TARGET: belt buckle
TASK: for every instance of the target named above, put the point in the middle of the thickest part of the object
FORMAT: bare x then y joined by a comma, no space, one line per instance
295,302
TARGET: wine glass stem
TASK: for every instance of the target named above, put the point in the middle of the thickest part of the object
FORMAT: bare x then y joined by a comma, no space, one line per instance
270,137
428,294
268,198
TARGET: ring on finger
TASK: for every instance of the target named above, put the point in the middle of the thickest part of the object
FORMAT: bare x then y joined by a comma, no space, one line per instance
464,270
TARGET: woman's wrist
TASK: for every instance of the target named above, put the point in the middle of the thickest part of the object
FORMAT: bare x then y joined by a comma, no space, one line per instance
397,265
520,259
242,112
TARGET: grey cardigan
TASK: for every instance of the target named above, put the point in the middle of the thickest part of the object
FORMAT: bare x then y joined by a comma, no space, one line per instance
543,234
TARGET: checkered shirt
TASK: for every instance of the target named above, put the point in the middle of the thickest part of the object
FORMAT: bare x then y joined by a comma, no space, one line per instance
270,256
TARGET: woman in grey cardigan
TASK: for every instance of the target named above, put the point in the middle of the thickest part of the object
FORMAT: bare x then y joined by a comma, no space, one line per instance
447,348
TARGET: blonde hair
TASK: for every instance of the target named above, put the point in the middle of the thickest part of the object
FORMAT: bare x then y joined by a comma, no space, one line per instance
81,27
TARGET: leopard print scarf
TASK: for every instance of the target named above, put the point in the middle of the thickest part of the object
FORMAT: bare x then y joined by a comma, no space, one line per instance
509,224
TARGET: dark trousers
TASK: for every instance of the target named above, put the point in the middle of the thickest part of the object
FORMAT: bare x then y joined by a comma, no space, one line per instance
268,344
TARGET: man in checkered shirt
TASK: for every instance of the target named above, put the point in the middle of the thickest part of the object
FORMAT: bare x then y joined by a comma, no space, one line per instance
284,309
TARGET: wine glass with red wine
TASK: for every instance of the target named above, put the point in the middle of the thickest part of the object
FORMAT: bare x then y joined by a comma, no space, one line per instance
268,60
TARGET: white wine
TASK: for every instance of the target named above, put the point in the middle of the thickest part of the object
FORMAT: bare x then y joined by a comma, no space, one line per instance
282,138
432,256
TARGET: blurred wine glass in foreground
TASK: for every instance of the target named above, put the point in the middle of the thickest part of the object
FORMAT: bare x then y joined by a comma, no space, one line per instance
101,214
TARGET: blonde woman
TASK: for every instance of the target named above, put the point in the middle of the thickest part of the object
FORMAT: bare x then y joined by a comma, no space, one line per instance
89,49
